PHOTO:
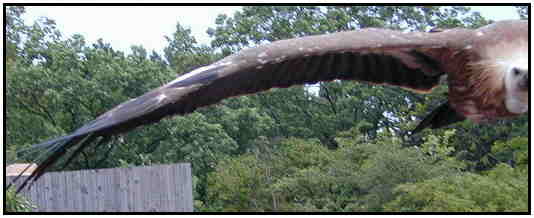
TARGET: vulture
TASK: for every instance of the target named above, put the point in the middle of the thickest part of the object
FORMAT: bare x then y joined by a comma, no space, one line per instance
486,70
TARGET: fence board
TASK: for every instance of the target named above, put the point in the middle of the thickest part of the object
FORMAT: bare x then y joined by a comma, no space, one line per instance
163,188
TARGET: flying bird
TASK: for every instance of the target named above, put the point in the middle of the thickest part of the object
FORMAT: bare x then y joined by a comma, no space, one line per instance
486,70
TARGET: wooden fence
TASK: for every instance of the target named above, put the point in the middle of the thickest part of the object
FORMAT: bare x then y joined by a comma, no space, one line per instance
162,188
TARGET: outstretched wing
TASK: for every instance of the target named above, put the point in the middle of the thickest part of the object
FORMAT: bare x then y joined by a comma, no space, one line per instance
411,60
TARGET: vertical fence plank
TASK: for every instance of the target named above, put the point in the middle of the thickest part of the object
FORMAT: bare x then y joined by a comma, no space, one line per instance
77,190
63,190
47,197
173,187
108,188
54,196
164,181
184,185
122,186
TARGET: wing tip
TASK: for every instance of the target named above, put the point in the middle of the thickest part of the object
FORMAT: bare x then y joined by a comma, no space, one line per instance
58,148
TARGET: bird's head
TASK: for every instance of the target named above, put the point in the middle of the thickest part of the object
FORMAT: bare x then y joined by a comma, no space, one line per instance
512,62
507,72
517,84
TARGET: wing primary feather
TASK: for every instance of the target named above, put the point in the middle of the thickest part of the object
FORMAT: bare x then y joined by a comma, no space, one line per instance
343,65
81,145
371,67
387,64
308,75
313,66
57,152
52,145
359,66
327,66
380,64
396,71
286,77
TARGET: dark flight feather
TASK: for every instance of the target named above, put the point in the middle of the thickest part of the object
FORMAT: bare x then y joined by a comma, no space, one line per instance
440,117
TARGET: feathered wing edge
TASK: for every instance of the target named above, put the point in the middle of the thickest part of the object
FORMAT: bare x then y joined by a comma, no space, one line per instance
440,117
56,147
124,117
375,56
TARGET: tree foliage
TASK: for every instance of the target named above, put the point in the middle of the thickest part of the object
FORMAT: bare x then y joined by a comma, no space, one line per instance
302,175
17,203
502,189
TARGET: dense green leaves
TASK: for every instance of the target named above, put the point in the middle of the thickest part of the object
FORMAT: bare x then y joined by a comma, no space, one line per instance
337,146
502,189
302,175
16,203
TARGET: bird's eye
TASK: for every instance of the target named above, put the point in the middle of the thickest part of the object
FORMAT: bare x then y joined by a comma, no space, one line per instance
516,72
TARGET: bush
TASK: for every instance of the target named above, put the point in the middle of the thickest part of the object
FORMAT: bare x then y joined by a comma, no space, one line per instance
503,189
17,203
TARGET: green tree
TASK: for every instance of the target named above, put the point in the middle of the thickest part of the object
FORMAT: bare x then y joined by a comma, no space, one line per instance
502,189
14,29
300,175
182,52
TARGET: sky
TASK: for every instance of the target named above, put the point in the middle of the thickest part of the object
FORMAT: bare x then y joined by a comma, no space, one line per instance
124,26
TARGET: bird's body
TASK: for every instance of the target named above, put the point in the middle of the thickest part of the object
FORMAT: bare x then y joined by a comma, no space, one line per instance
487,71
